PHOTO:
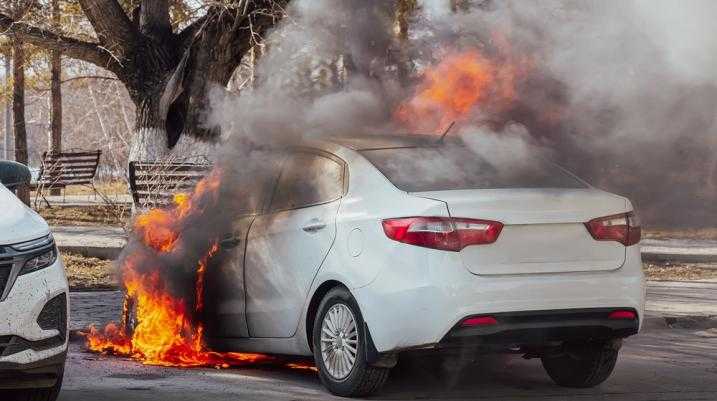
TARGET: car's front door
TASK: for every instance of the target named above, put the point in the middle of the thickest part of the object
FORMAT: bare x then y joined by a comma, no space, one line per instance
287,245
225,299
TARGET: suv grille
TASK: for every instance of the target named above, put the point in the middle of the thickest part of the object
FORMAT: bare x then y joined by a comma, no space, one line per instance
5,270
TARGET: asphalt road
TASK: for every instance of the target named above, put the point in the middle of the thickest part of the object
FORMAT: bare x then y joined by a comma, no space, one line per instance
661,364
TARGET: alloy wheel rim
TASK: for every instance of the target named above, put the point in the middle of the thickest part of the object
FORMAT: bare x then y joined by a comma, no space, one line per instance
339,341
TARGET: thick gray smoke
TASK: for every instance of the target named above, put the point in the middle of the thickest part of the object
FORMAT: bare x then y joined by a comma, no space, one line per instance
623,93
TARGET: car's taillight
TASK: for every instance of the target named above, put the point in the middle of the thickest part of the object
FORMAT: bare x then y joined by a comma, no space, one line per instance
448,234
623,228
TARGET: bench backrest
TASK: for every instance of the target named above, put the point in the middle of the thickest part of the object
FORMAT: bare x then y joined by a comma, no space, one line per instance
154,184
68,168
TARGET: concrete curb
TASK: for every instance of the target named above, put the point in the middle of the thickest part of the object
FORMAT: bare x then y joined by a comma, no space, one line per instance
108,253
678,257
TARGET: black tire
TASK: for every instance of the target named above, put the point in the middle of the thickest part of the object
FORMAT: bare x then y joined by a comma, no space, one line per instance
582,365
35,394
363,379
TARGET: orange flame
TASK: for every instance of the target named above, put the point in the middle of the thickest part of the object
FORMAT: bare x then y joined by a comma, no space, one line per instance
165,333
462,86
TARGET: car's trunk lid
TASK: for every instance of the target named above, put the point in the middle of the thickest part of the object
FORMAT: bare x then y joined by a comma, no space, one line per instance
544,230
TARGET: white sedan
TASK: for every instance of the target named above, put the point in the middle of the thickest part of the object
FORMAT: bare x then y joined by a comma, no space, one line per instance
363,248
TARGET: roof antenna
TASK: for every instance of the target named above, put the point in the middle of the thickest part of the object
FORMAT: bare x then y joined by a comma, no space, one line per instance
445,133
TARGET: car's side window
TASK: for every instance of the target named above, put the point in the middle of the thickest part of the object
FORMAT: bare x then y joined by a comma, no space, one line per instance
307,179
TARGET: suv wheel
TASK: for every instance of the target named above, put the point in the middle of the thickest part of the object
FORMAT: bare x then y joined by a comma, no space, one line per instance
340,347
35,394
582,365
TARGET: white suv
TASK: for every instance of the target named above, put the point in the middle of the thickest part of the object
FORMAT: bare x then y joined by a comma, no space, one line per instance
367,247
33,299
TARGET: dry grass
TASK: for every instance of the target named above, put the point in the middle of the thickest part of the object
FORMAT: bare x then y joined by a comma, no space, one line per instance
85,215
89,273
680,271
675,233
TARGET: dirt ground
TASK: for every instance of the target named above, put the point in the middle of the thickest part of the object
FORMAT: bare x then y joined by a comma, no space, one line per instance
101,215
680,271
89,273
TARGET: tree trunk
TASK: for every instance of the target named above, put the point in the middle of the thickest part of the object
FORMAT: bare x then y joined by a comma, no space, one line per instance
8,111
56,92
18,108
149,141
403,13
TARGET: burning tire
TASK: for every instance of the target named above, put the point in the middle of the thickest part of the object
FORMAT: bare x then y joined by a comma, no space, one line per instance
582,365
129,316
340,348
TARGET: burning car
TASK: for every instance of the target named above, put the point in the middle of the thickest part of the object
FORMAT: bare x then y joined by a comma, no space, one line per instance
367,247
33,298
358,249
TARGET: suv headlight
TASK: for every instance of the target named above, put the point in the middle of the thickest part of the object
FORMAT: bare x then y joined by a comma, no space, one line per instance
40,261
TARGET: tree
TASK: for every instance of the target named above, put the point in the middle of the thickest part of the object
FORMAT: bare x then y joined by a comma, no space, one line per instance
18,9
55,142
167,71
404,11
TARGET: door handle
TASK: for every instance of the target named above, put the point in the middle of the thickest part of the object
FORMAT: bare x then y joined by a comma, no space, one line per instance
313,226
230,243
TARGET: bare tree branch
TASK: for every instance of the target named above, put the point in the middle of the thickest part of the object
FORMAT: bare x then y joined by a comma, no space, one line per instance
90,52
112,26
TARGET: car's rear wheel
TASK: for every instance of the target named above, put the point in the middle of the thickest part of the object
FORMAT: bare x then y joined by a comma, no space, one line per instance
340,347
582,365
34,394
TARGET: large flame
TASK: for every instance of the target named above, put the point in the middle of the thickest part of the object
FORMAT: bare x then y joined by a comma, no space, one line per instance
166,333
462,86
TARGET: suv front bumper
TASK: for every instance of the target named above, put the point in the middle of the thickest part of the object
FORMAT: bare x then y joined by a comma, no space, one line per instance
34,318
39,374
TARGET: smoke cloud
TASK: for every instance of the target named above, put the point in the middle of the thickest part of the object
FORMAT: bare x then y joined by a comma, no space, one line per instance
622,93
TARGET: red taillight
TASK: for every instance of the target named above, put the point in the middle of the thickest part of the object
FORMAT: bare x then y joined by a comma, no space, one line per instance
479,321
448,234
622,315
623,228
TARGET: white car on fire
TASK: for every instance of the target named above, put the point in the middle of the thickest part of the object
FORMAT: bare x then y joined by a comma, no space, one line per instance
33,299
368,247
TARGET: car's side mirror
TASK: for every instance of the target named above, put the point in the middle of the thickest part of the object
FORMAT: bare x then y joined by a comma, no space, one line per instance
13,174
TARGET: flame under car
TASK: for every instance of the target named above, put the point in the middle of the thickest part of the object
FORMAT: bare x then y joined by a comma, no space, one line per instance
360,249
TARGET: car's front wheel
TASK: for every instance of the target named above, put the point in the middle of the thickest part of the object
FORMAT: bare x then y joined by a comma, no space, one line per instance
582,365
340,347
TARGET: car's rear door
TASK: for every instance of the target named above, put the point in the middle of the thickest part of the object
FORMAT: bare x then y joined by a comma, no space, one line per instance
287,245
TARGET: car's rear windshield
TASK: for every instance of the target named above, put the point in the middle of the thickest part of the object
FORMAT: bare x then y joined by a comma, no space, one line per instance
455,167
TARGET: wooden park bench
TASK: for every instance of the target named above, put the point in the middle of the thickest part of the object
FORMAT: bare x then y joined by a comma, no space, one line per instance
154,184
60,170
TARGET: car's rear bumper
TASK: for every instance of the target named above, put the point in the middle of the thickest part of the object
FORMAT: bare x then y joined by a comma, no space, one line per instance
417,305
39,374
537,328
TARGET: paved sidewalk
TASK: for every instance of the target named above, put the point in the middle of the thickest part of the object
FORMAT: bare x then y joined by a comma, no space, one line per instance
104,242
681,298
